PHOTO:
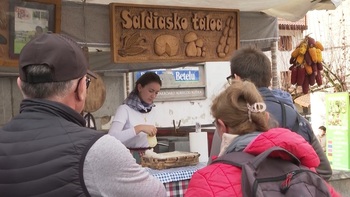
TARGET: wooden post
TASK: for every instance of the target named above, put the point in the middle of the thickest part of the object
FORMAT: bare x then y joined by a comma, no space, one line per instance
285,80
275,82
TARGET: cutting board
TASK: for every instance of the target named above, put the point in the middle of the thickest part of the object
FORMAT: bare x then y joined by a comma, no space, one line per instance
96,94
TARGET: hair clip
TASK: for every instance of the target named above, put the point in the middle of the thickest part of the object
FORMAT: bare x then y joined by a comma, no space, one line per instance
256,108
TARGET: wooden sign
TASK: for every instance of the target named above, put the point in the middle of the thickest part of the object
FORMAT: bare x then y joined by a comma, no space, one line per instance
172,34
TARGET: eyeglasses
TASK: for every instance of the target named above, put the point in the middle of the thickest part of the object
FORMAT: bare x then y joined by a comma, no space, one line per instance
230,78
87,81
214,123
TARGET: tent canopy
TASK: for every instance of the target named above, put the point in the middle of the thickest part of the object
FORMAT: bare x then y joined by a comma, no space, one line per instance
291,10
256,28
258,25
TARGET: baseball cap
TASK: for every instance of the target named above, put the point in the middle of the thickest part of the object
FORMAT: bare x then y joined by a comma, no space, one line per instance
62,54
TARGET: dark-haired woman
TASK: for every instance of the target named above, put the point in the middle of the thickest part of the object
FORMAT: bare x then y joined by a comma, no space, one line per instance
134,120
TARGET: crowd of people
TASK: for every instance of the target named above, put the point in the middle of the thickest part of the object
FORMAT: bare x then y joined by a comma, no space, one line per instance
46,150
257,127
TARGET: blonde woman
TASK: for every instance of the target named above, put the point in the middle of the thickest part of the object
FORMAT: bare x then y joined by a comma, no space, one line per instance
239,110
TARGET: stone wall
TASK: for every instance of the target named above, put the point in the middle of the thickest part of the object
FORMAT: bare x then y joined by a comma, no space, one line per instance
10,97
340,180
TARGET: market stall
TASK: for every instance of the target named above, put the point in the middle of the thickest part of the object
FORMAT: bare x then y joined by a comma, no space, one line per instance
89,22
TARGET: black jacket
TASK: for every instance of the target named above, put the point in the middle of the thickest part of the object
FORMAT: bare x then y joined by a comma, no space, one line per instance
272,106
42,151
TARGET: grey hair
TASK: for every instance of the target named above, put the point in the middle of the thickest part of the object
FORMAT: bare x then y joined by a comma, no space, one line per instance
44,90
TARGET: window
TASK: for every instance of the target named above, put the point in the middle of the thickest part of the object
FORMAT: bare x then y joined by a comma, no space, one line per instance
180,84
285,43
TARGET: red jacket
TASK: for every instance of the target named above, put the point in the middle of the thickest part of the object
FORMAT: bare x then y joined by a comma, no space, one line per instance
225,180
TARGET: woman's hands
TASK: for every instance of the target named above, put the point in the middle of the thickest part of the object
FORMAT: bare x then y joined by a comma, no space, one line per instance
148,129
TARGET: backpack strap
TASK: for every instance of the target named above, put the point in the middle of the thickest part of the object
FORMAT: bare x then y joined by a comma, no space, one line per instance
284,116
298,120
262,156
307,125
283,109
238,159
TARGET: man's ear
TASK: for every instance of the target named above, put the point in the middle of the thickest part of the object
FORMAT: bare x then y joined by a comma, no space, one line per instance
237,77
81,90
19,82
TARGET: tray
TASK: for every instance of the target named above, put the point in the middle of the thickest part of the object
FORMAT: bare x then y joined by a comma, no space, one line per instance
170,160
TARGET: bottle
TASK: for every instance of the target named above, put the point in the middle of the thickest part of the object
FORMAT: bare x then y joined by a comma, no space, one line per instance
198,127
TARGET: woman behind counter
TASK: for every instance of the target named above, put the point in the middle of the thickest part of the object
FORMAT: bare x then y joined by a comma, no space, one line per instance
134,120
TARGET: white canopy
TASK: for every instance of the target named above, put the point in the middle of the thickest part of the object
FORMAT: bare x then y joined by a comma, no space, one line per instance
291,10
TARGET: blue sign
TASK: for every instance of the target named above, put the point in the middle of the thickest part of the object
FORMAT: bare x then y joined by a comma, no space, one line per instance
180,75
186,75
139,73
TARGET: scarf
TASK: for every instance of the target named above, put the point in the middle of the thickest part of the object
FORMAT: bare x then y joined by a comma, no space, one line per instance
240,142
134,101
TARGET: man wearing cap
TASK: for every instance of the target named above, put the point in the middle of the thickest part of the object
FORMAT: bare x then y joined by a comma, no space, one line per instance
46,150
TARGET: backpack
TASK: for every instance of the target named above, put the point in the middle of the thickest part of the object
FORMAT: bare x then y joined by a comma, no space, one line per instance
273,177
301,126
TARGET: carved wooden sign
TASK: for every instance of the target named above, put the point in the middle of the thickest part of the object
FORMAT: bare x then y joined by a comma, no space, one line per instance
172,34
